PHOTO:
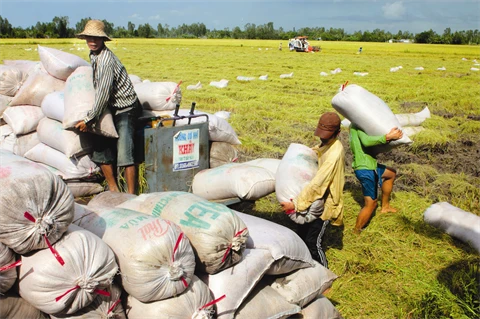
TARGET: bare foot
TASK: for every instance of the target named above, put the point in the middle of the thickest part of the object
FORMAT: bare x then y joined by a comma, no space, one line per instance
388,209
357,231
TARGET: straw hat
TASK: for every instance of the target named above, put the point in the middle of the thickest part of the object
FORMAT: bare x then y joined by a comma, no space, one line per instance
94,28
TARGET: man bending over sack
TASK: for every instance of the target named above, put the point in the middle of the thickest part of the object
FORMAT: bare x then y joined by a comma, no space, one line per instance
323,196
370,173
114,91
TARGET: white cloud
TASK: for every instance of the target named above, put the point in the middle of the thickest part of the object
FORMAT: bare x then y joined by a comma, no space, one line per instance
394,10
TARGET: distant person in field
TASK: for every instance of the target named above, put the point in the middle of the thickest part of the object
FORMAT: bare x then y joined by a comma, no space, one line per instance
370,173
113,91
323,196
280,46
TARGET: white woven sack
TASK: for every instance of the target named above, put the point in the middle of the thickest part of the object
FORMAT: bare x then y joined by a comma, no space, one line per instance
35,88
11,79
405,119
156,260
79,98
240,180
190,304
53,105
17,145
83,189
264,302
158,96
217,235
88,270
58,63
455,222
8,272
270,164
298,166
222,153
26,66
15,307
110,199
135,79
29,188
4,103
304,285
287,248
102,307
219,130
320,308
23,119
237,282
368,112
71,143
71,168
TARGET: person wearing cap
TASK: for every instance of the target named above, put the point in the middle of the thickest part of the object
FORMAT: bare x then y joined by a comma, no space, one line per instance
323,195
114,91
370,173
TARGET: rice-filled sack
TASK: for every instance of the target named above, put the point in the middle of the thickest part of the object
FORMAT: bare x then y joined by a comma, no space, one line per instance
195,302
296,169
71,143
268,163
88,269
71,168
17,144
83,189
304,285
288,250
12,306
102,307
79,98
8,272
23,119
35,88
58,63
217,235
238,281
4,103
36,206
110,199
405,119
320,308
158,96
26,66
11,80
155,257
367,111
240,180
265,302
53,105
455,222
222,153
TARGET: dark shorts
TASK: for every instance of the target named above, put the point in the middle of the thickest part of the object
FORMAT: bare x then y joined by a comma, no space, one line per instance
370,180
118,151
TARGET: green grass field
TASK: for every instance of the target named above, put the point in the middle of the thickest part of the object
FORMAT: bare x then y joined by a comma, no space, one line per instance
399,267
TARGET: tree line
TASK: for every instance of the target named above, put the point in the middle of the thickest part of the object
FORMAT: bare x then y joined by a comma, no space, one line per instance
59,28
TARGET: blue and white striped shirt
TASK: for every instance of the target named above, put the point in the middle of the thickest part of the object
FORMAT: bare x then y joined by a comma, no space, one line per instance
113,87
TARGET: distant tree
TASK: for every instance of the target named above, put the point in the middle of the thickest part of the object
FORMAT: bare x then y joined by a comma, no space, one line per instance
250,32
145,31
6,29
425,36
160,30
237,33
61,26
131,28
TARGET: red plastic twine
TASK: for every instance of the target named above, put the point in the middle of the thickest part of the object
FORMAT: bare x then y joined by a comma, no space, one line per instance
174,91
344,85
230,246
7,267
185,283
113,306
212,302
55,253
98,291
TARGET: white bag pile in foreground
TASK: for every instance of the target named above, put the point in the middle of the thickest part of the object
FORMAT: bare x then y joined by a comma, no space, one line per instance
455,222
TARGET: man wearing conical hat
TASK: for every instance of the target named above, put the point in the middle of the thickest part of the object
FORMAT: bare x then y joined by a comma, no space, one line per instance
114,91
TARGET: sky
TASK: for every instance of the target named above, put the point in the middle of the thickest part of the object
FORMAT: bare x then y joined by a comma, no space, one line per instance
352,15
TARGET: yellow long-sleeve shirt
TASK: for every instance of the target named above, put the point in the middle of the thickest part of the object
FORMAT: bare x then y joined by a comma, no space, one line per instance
328,183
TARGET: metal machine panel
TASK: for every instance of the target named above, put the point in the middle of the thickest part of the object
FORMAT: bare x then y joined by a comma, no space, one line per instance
173,155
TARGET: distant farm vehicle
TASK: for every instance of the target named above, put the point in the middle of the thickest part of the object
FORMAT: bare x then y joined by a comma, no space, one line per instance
300,44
